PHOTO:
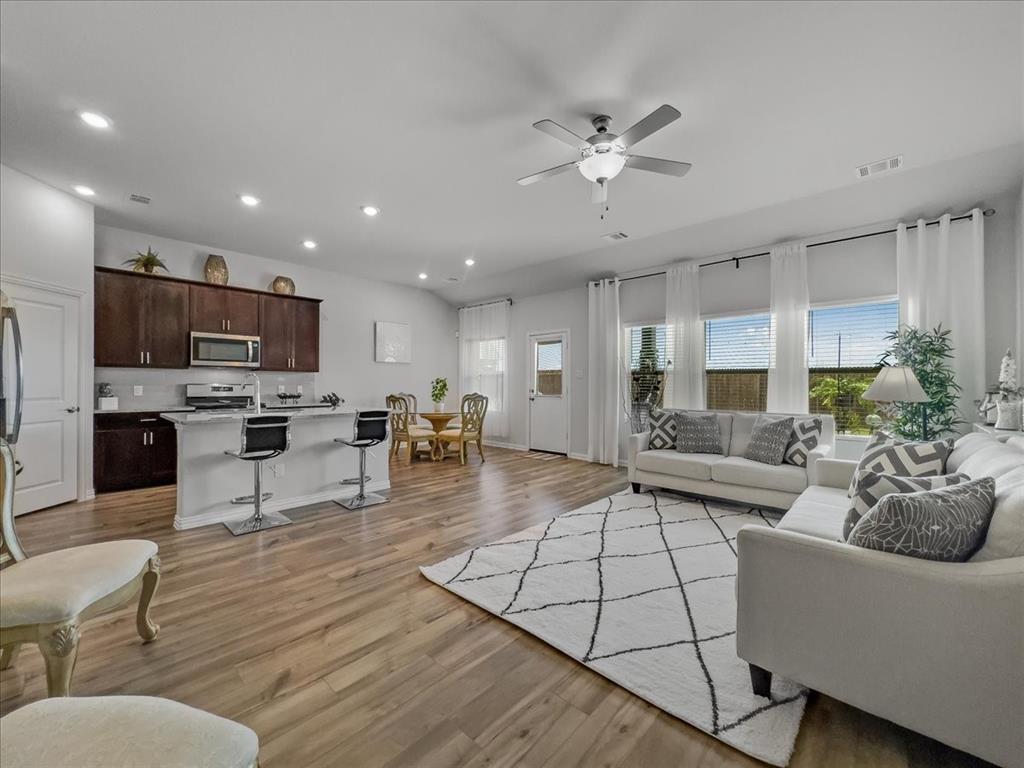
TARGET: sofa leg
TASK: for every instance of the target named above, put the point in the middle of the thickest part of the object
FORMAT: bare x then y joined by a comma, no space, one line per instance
636,487
761,681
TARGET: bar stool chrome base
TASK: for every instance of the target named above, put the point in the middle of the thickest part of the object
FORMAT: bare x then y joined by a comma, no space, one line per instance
361,500
355,480
254,524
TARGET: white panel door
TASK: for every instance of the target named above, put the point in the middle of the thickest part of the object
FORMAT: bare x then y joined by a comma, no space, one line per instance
48,444
549,395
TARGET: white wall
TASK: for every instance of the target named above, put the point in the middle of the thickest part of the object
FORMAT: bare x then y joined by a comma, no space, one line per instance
46,235
1002,286
350,307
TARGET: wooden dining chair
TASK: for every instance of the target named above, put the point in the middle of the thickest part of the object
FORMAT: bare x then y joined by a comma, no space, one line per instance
471,429
46,598
403,428
414,410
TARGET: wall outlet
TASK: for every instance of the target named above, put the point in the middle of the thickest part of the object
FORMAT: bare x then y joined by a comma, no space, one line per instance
299,389
277,469
137,390
280,389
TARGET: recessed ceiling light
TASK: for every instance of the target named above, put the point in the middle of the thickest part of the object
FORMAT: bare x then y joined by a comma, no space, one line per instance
94,119
84,191
249,200
470,262
370,210
424,275
310,244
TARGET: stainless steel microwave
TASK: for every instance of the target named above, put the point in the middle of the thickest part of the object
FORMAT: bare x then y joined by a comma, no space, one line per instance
223,350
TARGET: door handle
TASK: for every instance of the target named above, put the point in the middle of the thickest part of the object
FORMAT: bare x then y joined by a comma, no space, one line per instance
150,438
147,358
229,325
74,409
144,434
142,358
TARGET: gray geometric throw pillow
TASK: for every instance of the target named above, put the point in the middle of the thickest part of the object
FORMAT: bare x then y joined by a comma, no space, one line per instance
892,456
803,439
662,425
948,524
768,439
872,486
698,433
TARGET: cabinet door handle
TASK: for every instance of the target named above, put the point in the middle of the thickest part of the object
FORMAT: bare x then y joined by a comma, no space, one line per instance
142,358
229,325
144,420
144,438
147,358
150,438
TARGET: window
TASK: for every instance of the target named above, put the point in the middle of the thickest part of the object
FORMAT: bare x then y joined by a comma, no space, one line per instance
844,346
549,367
736,353
646,386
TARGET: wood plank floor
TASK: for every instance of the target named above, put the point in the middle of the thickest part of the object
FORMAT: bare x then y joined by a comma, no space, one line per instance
324,638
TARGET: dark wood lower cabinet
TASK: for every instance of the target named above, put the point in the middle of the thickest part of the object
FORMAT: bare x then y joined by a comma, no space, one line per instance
133,450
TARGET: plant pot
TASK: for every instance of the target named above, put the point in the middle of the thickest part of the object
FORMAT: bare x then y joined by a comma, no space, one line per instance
438,407
216,270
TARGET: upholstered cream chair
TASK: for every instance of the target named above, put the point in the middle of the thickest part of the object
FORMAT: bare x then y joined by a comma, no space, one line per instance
122,732
470,428
46,598
403,427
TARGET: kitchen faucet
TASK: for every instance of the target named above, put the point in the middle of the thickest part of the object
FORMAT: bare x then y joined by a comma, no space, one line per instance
256,398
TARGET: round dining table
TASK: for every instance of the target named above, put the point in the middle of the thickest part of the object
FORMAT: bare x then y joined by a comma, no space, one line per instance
439,420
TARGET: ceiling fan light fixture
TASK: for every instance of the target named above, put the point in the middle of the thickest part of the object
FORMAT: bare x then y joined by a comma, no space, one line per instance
602,161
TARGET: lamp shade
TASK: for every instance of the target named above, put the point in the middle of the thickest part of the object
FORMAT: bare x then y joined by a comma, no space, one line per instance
896,384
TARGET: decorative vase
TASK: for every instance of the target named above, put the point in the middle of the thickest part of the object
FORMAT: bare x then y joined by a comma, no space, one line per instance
1009,414
283,285
216,270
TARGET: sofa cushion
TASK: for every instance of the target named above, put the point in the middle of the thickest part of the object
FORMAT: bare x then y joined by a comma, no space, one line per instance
740,471
662,426
967,446
803,439
668,461
872,486
742,426
698,433
893,456
819,512
769,439
109,731
992,461
1005,537
947,524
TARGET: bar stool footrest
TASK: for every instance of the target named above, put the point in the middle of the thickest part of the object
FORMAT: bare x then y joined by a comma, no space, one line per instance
355,480
251,498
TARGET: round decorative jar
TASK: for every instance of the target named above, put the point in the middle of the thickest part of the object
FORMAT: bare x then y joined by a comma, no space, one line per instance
283,285
216,270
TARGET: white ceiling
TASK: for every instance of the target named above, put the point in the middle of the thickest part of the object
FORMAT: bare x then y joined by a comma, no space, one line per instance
425,110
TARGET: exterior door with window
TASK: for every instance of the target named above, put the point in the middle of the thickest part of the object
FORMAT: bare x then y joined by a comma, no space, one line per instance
549,393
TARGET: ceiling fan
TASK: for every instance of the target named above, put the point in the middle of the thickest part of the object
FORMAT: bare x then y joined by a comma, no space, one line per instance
603,155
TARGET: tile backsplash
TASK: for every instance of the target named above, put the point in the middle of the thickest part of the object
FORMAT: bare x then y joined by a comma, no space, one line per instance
163,388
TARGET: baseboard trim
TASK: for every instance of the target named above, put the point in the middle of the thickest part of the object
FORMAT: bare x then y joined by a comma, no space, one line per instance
508,446
579,456
274,505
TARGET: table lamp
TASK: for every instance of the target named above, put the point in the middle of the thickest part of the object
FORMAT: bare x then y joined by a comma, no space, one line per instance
898,384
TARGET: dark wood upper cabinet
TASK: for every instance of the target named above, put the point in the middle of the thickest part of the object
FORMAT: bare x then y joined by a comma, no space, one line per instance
216,310
290,332
143,321
306,344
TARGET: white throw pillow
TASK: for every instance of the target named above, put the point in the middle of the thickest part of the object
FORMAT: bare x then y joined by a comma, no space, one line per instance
1006,530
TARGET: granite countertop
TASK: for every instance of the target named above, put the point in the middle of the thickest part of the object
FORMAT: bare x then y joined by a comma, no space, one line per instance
148,409
206,417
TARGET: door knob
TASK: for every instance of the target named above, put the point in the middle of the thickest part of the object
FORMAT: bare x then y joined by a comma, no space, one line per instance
75,409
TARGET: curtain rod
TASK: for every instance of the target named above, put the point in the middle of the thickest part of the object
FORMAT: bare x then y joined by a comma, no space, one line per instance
737,259
485,303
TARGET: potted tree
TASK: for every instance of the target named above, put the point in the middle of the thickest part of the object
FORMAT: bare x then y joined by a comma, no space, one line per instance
438,392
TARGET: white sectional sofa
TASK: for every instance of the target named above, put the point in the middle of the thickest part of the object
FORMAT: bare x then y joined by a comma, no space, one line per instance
936,647
730,477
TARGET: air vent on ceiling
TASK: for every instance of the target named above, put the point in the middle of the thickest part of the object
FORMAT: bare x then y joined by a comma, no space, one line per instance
135,197
893,163
451,279
614,236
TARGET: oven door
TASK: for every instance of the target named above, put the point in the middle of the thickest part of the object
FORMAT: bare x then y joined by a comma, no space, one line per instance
221,350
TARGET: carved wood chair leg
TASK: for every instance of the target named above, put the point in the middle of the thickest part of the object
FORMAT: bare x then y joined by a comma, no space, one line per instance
413,447
147,628
9,655
60,652
462,452
480,448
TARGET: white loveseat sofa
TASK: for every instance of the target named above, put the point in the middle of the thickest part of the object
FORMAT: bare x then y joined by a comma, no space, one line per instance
936,647
730,477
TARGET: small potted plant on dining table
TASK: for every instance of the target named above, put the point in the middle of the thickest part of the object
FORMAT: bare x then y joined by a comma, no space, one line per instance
438,392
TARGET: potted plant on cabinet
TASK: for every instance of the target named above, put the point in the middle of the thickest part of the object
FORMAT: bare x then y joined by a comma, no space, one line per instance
147,262
438,392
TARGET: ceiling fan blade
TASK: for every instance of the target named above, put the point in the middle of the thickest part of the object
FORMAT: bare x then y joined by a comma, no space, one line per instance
547,174
556,131
599,192
657,165
655,121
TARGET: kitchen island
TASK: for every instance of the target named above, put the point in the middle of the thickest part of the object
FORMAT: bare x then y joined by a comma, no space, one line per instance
308,473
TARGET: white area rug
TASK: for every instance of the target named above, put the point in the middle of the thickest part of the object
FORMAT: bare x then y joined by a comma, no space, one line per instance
641,589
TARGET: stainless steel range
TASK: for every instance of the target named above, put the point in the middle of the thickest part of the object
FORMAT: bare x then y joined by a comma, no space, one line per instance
219,397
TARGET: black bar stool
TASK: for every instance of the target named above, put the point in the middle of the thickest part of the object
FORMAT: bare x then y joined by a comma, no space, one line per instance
263,438
370,429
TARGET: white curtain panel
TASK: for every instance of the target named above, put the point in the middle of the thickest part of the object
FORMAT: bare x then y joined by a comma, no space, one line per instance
787,369
682,316
940,276
605,375
483,360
